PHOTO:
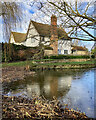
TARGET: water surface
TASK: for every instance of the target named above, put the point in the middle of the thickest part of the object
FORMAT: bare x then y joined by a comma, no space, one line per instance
74,87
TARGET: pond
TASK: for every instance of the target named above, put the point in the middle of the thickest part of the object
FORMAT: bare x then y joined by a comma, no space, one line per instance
74,87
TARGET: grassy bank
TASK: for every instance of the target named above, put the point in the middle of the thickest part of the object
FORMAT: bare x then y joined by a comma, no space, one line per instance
23,63
67,63
35,63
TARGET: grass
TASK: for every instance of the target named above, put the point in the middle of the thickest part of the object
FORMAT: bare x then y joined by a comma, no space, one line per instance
21,63
44,60
66,63
31,63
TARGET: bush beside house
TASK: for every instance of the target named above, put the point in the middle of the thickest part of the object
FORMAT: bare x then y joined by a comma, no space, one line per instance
12,52
93,52
67,57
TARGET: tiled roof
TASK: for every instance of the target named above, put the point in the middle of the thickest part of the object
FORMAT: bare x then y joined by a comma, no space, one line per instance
79,48
45,30
19,37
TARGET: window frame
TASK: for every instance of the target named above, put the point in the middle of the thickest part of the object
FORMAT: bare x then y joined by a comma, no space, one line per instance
59,51
65,52
33,40
42,38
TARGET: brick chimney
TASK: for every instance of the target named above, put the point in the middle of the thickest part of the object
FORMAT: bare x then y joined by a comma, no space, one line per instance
54,35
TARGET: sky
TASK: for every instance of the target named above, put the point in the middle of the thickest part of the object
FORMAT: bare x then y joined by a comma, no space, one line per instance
31,13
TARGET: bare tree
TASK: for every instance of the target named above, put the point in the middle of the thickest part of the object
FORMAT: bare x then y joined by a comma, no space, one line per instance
11,15
77,17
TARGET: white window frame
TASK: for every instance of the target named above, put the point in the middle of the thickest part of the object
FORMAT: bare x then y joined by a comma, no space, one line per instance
32,40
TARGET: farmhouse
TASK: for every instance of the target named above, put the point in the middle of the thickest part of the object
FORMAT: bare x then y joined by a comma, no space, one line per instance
48,35
79,50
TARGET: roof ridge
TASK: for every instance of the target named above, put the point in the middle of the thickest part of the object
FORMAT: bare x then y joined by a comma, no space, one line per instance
58,28
79,47
61,31
46,24
39,23
18,32
18,37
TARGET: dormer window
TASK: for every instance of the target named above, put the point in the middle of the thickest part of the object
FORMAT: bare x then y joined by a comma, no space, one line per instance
32,40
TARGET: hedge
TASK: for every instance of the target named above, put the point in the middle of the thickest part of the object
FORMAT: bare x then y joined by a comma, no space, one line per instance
12,52
67,57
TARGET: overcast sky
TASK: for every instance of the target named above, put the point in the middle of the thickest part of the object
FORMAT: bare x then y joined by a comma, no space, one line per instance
33,14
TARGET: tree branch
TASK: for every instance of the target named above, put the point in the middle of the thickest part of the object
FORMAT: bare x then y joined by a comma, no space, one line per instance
74,20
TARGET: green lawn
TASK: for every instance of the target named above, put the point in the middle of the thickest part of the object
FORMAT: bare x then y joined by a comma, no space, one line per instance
44,60
21,63
33,63
66,63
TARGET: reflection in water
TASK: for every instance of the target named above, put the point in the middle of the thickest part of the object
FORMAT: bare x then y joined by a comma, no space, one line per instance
49,85
75,87
30,89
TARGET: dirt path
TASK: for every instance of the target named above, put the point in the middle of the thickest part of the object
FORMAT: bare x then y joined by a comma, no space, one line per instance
14,73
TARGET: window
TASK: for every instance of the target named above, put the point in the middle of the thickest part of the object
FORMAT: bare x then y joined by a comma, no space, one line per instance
32,40
42,38
65,51
59,51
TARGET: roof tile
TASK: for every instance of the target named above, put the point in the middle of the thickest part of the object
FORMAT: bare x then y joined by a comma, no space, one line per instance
45,30
19,37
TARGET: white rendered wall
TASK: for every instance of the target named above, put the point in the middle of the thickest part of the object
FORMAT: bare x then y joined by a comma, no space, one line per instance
33,35
64,45
46,41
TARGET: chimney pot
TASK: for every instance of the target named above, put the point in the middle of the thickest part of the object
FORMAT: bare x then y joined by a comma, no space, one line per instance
54,20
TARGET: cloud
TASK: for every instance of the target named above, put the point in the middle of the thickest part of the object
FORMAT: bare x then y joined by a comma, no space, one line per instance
30,11
71,1
1,32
